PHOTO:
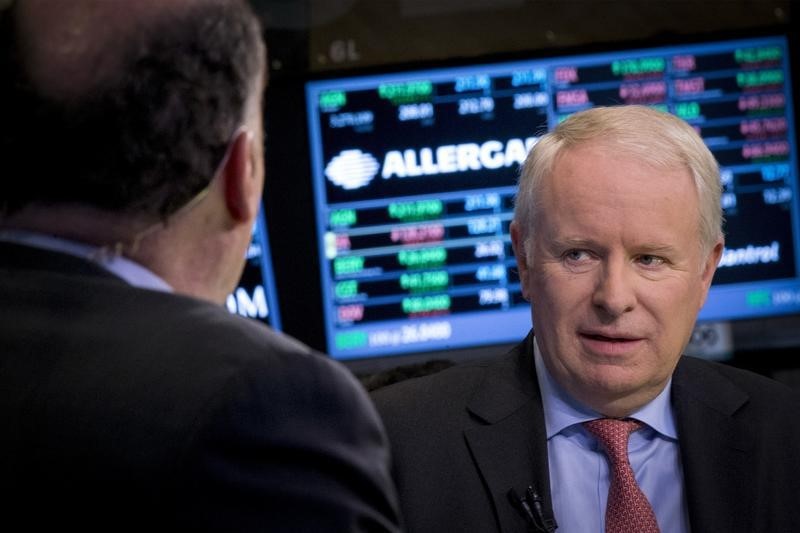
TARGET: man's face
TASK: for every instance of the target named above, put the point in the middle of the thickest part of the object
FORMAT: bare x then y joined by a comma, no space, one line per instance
616,275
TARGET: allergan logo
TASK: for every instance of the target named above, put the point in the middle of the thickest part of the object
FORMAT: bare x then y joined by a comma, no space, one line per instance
352,169
450,158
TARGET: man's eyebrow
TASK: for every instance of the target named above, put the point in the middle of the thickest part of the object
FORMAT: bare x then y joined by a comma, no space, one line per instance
656,248
572,242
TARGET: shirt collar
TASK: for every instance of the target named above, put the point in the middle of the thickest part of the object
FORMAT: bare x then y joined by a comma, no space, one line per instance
562,411
132,272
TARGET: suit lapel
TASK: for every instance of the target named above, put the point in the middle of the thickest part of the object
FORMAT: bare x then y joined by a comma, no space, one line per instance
510,451
712,442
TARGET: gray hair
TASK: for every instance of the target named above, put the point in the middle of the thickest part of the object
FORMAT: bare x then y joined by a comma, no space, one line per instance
657,138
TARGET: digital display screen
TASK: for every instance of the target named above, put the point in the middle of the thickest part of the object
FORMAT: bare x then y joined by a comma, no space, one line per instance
415,174
255,296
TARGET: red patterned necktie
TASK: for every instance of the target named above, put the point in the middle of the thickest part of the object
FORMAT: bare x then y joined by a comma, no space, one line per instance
627,509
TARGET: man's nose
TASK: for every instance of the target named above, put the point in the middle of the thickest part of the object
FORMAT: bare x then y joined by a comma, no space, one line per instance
614,292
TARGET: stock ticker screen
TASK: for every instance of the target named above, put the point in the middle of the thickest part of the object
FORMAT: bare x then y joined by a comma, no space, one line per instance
415,174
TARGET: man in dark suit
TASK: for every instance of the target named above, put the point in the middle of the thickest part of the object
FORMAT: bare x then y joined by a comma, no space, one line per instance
597,422
130,398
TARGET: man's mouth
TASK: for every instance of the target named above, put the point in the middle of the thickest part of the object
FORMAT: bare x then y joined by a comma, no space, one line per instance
610,343
606,338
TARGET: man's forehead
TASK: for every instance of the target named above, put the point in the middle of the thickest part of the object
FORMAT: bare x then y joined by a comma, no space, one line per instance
594,189
589,155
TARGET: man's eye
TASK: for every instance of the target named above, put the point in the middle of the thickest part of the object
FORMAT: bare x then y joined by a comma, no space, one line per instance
651,260
576,255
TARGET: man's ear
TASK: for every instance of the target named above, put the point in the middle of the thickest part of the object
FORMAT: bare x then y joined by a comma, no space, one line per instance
710,266
241,187
521,257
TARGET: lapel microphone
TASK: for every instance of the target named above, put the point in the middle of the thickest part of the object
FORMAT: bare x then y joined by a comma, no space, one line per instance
530,507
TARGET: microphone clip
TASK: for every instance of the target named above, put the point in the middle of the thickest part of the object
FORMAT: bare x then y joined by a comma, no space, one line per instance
530,507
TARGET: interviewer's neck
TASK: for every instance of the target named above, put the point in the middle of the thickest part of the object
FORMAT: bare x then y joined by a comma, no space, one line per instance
188,251
76,222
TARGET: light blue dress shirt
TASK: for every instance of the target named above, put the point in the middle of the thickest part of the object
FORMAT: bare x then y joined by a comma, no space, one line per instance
134,273
579,472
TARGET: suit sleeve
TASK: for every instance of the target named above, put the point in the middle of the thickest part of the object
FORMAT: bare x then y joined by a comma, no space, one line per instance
294,445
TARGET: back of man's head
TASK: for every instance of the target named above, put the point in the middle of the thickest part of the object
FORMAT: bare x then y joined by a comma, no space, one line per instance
127,107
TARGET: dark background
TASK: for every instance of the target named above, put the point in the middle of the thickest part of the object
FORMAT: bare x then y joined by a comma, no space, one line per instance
308,39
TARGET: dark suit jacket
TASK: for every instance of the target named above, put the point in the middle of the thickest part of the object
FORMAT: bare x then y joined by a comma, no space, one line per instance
465,436
130,409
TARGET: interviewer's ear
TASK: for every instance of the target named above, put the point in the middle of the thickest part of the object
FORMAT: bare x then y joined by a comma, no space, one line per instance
241,188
